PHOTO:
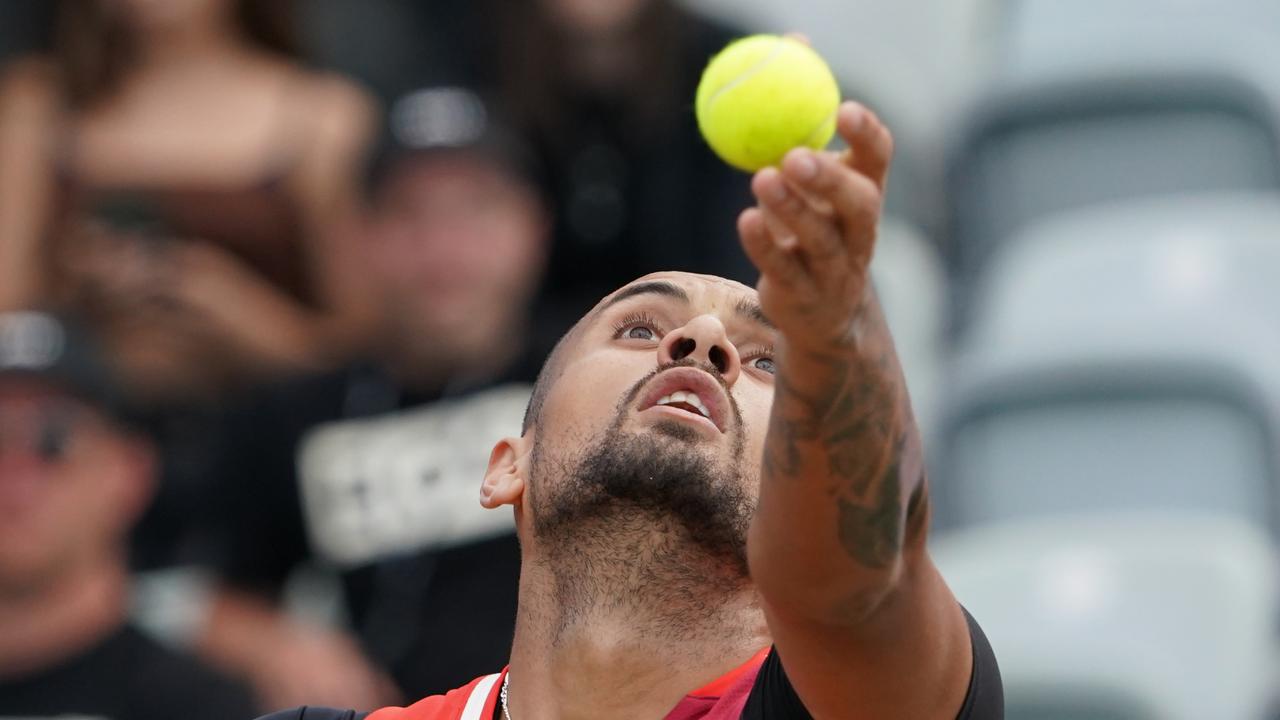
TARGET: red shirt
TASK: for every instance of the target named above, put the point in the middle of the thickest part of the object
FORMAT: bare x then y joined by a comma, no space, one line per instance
721,699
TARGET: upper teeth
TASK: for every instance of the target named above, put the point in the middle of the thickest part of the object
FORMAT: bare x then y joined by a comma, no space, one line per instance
688,398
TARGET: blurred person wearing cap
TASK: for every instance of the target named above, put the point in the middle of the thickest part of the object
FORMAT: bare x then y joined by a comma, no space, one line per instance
174,176
367,472
602,92
74,476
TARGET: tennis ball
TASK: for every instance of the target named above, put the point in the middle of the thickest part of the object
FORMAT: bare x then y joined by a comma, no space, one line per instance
763,95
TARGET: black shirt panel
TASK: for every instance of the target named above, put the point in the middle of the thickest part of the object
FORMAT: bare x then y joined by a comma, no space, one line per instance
773,697
127,676
985,700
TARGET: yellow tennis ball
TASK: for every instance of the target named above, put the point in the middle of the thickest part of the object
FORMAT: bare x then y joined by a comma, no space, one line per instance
764,95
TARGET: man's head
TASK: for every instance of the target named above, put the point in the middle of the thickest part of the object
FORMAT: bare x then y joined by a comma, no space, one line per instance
652,409
72,478
458,231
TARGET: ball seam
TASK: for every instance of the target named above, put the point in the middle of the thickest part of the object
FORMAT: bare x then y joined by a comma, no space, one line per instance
809,139
749,73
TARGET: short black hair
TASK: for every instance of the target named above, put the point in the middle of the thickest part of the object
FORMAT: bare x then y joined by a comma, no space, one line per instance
547,376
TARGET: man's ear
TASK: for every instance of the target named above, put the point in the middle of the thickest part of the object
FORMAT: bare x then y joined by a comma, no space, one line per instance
508,468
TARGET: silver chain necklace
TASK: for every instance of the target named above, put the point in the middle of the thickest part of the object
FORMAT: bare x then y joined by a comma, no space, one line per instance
502,696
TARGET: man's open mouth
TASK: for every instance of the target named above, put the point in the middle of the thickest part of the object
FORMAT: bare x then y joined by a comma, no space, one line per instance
689,390
687,401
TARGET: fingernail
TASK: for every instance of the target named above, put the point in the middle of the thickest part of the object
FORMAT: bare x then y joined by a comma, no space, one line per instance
778,192
803,166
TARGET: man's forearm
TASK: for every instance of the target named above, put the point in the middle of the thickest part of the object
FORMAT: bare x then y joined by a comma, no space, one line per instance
842,489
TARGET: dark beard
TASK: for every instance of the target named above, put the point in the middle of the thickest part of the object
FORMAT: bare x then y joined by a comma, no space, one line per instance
644,521
662,477
632,482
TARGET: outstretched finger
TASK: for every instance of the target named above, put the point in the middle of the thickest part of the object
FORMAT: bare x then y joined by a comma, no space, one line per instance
769,257
817,233
853,197
870,142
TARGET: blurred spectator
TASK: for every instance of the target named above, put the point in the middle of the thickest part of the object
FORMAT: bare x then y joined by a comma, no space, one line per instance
371,471
73,479
604,93
170,172
605,90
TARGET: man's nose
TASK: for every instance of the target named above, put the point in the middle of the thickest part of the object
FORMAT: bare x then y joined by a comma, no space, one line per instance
702,338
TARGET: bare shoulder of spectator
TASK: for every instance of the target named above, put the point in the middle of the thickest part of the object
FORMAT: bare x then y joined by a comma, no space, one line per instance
337,116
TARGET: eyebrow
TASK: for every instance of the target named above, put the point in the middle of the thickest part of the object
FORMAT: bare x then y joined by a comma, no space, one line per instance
651,287
745,307
751,310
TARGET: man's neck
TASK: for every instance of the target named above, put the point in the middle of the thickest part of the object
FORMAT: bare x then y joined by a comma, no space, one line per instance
42,628
602,637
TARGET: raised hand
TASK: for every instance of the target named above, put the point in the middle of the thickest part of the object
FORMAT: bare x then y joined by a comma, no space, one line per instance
837,545
814,231
841,425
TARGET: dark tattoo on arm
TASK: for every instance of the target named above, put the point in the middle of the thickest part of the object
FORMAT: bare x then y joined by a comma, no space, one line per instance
872,534
860,425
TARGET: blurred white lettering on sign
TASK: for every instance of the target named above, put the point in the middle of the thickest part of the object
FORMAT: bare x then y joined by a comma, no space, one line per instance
409,480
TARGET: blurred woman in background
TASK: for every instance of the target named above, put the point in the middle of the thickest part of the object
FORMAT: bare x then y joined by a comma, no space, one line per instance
171,172
604,89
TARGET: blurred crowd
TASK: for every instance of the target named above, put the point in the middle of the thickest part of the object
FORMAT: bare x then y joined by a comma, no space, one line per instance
275,274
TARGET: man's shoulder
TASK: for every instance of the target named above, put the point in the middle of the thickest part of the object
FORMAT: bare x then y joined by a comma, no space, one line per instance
469,702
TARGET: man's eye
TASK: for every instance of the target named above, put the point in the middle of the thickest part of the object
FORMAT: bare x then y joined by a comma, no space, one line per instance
640,332
637,326
765,364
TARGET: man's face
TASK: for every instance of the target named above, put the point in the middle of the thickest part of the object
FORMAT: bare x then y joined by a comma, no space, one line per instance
69,486
661,404
458,246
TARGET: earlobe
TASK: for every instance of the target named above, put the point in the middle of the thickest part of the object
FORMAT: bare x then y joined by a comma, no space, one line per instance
504,480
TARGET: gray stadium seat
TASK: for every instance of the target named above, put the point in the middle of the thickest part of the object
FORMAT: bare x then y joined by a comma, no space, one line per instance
1116,100
1035,40
1032,152
909,277
1142,616
1121,357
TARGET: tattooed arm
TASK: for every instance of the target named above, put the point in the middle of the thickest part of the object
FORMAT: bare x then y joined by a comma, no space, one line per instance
863,623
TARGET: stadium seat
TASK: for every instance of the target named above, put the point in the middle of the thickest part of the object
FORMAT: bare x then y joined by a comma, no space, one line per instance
912,285
1035,150
1121,357
1129,616
1128,99
1038,39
